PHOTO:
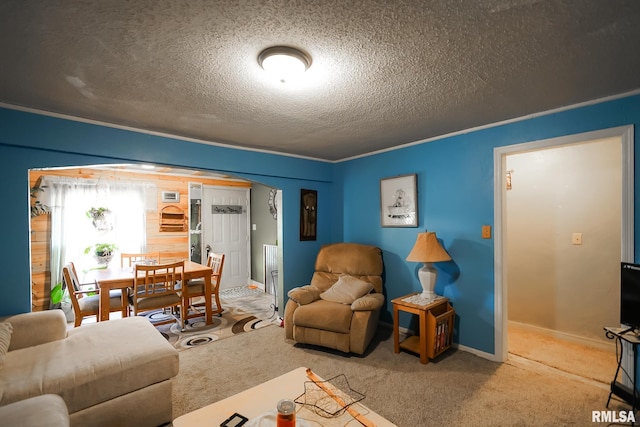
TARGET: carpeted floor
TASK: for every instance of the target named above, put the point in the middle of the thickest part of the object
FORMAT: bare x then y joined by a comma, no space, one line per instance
456,389
594,362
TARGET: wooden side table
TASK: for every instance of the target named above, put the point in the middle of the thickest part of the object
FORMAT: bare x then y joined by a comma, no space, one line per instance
435,327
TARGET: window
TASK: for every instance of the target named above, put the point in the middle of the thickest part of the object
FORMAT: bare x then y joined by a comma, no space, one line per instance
73,231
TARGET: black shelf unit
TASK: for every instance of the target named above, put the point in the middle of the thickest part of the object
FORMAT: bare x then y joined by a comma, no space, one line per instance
630,336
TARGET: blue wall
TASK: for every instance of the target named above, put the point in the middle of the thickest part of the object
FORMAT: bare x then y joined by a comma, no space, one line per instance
455,186
34,141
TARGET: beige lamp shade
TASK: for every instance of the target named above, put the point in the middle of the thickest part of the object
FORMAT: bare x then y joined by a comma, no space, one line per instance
428,249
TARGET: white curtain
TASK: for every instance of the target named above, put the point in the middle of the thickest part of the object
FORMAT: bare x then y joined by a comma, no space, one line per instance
72,231
67,200
127,202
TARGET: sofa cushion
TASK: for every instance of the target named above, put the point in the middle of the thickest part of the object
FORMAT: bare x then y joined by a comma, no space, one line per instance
346,290
95,363
48,410
325,315
36,327
5,339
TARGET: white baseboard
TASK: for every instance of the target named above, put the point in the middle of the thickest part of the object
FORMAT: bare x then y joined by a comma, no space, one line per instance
479,353
577,339
607,346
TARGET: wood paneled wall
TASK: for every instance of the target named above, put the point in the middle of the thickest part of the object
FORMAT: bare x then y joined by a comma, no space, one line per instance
173,246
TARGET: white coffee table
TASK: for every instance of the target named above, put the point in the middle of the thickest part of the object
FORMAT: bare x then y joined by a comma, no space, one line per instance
263,398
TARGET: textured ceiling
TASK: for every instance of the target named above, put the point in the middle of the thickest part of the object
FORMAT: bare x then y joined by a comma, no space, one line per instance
383,73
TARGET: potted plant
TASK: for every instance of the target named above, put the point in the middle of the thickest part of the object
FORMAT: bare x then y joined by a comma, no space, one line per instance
38,208
102,252
98,218
60,299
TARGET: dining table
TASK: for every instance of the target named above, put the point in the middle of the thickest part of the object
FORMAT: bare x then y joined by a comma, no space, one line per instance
123,278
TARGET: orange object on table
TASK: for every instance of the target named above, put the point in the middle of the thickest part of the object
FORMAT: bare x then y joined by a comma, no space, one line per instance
286,413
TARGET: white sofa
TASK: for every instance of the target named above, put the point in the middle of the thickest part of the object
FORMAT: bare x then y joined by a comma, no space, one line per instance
115,373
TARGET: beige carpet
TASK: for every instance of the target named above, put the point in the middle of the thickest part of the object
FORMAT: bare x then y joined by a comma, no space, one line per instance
458,389
588,361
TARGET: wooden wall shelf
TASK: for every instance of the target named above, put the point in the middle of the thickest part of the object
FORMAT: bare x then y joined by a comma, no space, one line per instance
172,218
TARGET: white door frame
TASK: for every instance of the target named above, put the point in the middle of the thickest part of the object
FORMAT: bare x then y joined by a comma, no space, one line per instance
626,134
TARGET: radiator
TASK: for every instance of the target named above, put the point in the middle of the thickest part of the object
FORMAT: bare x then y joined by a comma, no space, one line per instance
270,263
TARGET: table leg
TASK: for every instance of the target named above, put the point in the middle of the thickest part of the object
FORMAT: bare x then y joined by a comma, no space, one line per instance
125,303
423,337
396,332
104,299
207,299
103,304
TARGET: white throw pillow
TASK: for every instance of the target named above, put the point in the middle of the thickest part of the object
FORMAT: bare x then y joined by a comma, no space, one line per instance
346,290
5,338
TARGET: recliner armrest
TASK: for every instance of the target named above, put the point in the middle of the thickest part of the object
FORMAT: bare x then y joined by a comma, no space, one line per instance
38,327
369,302
304,294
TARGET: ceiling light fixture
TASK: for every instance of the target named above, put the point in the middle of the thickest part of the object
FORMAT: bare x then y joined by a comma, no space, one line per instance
283,62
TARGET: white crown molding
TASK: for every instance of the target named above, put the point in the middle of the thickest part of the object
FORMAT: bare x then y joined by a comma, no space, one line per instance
149,132
496,124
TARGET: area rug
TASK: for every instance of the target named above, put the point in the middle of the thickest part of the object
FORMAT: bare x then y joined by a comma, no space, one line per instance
244,310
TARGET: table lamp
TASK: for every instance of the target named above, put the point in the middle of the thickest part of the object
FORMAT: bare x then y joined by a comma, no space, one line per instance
428,250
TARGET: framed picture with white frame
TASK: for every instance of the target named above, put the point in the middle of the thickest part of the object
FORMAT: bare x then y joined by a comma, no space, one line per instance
399,201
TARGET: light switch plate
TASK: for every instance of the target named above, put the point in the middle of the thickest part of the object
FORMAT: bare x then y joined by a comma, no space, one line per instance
486,231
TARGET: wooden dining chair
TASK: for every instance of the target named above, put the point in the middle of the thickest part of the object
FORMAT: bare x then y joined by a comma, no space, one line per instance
129,259
86,302
157,287
196,288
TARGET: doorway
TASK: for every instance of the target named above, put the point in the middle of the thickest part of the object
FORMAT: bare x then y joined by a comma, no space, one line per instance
562,255
625,137
225,229
174,246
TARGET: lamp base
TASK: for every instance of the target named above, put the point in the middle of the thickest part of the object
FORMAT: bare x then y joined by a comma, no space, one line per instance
428,276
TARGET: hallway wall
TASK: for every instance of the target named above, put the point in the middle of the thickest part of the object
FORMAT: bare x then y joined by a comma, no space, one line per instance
552,283
266,229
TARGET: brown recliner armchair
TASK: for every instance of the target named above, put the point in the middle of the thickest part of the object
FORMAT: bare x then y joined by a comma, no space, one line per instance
341,306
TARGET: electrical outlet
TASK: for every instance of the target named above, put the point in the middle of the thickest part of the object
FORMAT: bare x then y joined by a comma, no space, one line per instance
576,239
486,231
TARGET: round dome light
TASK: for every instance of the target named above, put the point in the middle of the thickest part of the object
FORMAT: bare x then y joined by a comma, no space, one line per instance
284,63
